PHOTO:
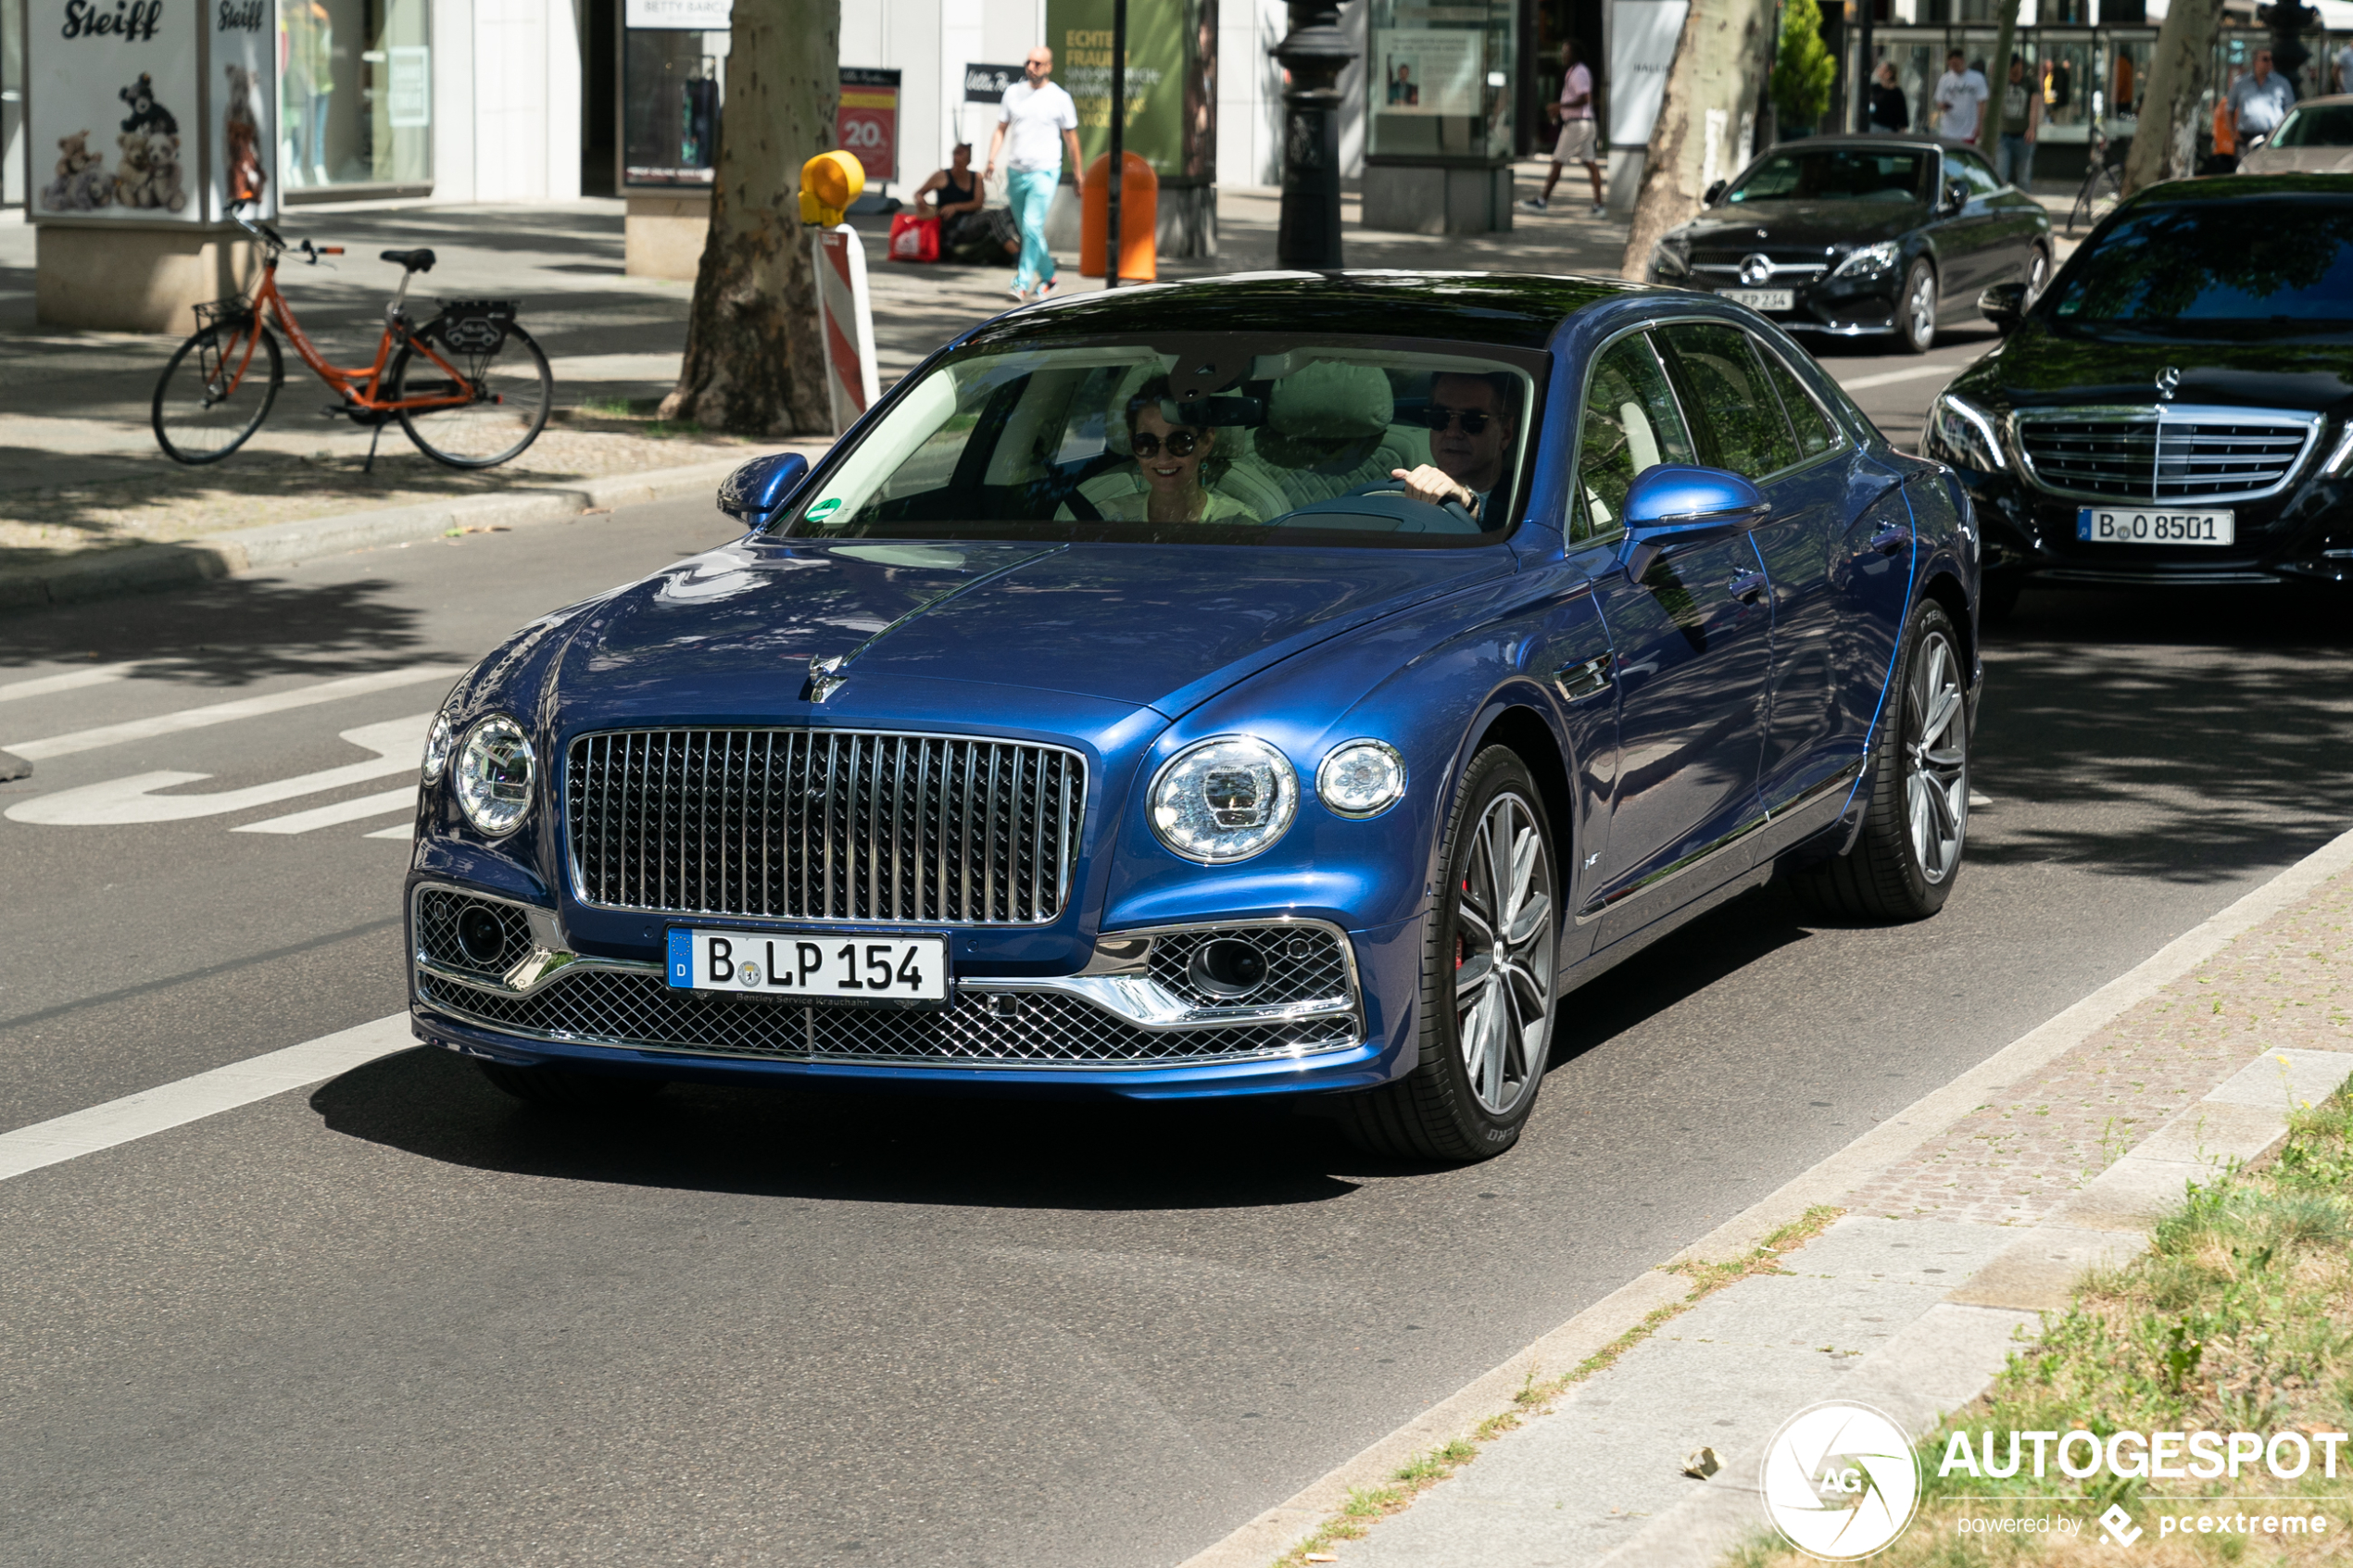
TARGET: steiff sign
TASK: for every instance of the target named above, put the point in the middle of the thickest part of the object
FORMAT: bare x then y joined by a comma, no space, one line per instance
149,112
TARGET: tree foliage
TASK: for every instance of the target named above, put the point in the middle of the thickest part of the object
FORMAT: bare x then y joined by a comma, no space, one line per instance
1804,69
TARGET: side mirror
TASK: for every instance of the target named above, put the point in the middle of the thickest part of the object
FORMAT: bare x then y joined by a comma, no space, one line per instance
756,492
1684,504
1714,194
1956,196
2004,306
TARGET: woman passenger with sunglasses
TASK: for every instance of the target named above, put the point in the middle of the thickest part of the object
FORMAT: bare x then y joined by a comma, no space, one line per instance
1170,458
1471,427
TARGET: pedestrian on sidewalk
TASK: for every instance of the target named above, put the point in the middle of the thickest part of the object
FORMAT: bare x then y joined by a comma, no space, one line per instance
1960,96
2021,123
1044,124
1887,109
1580,140
2259,100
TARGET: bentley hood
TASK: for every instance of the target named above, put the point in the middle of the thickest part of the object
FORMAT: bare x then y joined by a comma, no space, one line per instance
730,635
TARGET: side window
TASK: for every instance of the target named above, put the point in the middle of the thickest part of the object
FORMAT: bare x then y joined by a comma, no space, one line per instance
1730,398
1630,421
1815,433
1976,170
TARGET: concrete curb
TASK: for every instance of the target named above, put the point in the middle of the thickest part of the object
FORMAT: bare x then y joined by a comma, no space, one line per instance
143,568
1935,1366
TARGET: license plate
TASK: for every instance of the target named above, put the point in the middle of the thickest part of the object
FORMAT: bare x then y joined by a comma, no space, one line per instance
2118,526
798,966
1761,299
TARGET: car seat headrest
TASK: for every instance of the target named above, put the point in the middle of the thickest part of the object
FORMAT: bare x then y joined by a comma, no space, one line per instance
1331,402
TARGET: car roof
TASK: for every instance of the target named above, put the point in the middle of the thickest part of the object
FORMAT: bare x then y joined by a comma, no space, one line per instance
1507,309
2181,193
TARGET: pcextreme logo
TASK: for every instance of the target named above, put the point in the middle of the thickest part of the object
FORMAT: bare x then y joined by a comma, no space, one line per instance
1840,1481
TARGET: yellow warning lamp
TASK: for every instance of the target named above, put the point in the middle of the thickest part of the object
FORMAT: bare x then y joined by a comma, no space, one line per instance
829,182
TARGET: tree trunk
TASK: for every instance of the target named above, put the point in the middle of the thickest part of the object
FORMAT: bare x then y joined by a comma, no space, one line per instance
1997,70
755,363
1705,121
2166,145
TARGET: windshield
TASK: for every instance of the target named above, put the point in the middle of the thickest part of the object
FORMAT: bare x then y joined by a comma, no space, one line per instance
2219,266
1838,174
1215,442
2321,125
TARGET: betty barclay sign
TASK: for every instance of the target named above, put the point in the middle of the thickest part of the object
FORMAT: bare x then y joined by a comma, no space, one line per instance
1172,50
124,112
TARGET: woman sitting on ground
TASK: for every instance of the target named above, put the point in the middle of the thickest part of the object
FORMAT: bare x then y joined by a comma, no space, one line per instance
960,200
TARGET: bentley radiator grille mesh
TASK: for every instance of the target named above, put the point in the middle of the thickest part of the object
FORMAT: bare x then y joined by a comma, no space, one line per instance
824,824
982,1028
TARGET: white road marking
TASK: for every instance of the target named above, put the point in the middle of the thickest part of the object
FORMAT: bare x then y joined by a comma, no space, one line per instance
1889,378
401,800
225,712
44,685
118,801
207,1093
404,831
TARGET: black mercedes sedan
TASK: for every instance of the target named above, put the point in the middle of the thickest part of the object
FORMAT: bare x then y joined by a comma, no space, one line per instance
1861,237
2178,406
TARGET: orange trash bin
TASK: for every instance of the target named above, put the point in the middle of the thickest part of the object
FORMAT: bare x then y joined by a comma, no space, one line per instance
1138,219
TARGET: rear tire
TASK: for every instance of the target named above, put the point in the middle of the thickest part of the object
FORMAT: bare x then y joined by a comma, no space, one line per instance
512,392
1488,960
1905,859
193,421
560,1089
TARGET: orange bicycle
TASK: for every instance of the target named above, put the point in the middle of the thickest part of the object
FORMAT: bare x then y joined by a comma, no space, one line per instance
470,386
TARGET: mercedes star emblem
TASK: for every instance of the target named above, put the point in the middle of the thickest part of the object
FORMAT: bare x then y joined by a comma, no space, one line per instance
1755,269
2169,381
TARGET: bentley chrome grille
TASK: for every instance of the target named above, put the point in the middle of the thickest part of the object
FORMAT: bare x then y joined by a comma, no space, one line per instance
2164,455
824,824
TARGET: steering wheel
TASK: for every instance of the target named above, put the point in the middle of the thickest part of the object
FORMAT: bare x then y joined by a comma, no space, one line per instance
1454,509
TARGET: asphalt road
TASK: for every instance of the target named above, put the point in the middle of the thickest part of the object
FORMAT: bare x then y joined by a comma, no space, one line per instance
402,1320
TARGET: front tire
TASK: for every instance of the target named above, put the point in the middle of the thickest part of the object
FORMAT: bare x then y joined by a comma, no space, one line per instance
215,392
2038,273
1488,962
1916,308
1905,859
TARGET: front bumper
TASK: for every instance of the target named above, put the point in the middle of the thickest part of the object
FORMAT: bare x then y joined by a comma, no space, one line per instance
2304,535
1132,1023
1828,307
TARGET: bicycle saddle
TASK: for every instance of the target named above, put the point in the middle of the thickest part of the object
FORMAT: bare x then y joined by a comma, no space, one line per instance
415,260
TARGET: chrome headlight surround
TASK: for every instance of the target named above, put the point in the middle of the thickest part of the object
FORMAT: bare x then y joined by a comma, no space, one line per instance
1965,430
1361,778
2342,458
1870,261
495,775
440,741
1668,260
1223,800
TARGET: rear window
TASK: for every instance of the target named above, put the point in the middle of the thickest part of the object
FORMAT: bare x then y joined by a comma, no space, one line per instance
1837,174
2272,266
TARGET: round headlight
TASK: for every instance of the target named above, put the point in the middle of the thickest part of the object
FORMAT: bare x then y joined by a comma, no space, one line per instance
439,740
1361,778
495,775
1225,799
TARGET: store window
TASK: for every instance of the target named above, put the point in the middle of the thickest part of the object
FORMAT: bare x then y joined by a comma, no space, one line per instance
1439,81
673,75
354,86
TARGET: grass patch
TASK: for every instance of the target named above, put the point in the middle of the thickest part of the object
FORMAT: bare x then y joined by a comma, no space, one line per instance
2239,1318
1369,1505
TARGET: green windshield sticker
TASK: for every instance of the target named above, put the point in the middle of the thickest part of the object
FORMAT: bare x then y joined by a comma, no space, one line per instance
824,508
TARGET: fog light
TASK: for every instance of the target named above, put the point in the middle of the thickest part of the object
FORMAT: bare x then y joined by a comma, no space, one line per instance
1227,967
481,937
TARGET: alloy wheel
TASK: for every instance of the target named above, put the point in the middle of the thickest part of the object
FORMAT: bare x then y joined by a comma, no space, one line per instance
1936,782
1922,307
1503,957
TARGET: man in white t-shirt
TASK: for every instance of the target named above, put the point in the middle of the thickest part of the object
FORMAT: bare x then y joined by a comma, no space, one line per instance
1577,140
1044,124
1960,99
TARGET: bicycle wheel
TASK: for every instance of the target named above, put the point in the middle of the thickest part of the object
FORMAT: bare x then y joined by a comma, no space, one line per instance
215,392
2103,188
511,390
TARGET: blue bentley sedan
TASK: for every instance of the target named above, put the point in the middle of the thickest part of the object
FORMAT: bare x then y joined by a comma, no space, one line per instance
1274,684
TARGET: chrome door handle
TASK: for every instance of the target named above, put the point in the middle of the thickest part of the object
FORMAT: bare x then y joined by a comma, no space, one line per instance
1748,587
1889,540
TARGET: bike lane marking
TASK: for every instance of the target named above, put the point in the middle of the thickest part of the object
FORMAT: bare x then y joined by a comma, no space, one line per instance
73,680
184,718
403,799
117,802
1889,378
206,1094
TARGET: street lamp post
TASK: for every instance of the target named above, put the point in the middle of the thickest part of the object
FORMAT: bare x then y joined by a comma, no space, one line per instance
1117,167
1313,54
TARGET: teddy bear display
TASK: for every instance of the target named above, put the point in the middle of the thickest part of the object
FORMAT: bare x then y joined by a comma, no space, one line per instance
147,114
241,130
150,175
82,184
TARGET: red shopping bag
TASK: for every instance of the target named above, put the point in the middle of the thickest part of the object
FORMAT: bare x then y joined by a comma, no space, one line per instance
913,238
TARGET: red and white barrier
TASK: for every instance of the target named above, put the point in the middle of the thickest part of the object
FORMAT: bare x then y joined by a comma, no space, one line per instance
846,316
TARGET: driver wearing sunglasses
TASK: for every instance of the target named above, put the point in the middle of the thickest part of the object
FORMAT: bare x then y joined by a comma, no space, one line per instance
1472,426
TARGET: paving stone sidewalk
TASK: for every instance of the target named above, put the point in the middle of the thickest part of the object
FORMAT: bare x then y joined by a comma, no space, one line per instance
1912,1298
